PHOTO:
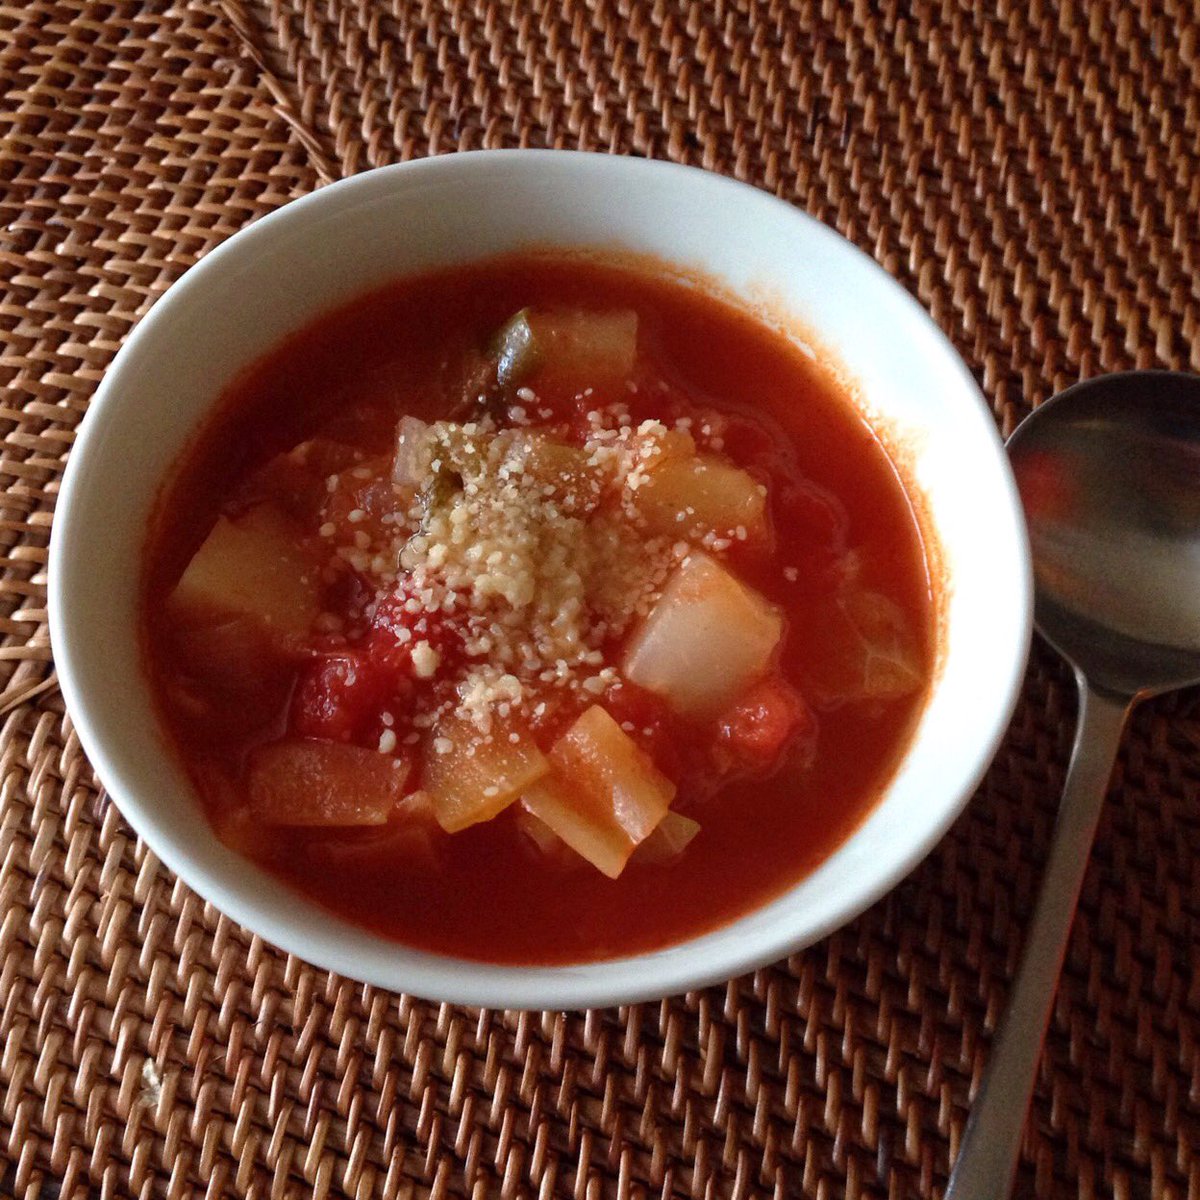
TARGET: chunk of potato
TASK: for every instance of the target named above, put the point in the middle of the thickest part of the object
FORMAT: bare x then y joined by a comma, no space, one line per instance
301,782
605,796
690,497
577,345
253,566
472,777
706,640
561,470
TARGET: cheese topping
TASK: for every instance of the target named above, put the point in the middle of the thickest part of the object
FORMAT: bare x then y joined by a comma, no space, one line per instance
534,547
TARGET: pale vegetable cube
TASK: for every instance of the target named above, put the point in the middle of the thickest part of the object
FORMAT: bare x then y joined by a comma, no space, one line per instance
300,782
410,466
253,566
603,344
689,497
558,805
560,468
706,640
586,346
472,776
605,796
671,837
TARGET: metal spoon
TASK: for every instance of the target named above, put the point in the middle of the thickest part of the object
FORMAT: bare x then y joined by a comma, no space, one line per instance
1109,475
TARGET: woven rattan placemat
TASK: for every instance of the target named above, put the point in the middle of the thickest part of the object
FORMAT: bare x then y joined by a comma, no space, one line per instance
1032,174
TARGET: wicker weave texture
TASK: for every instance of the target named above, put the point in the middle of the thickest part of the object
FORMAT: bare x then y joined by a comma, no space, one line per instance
1032,173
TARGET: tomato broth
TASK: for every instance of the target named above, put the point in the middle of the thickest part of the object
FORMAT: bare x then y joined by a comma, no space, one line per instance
761,785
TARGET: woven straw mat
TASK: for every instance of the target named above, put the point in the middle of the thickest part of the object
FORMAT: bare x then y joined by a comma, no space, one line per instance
1032,175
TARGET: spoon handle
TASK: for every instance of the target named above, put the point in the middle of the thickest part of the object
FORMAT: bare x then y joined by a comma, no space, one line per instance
987,1159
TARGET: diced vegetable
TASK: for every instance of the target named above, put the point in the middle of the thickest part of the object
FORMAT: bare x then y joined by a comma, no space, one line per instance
562,468
891,662
604,844
362,500
605,796
689,497
576,344
877,654
411,834
547,845
472,778
657,444
299,782
671,837
763,721
516,350
254,567
339,695
409,467
706,640
294,481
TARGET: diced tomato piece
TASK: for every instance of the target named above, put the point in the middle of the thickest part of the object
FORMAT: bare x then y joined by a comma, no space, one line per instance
440,629
338,696
647,719
765,721
341,694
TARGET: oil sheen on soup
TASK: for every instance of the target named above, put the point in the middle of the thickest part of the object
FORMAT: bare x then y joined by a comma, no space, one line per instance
537,612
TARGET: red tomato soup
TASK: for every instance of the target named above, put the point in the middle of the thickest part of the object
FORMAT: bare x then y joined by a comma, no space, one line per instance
537,612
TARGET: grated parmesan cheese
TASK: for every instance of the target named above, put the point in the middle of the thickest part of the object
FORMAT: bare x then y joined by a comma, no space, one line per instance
534,549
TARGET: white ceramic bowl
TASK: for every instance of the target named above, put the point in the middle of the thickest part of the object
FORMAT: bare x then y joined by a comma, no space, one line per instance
342,241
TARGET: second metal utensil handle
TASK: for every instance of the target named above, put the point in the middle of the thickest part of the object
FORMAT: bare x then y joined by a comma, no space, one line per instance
987,1159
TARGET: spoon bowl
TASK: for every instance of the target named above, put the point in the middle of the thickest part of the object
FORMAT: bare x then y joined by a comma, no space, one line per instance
1109,477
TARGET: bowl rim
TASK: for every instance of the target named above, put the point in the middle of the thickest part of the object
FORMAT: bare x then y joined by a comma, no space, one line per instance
445,977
